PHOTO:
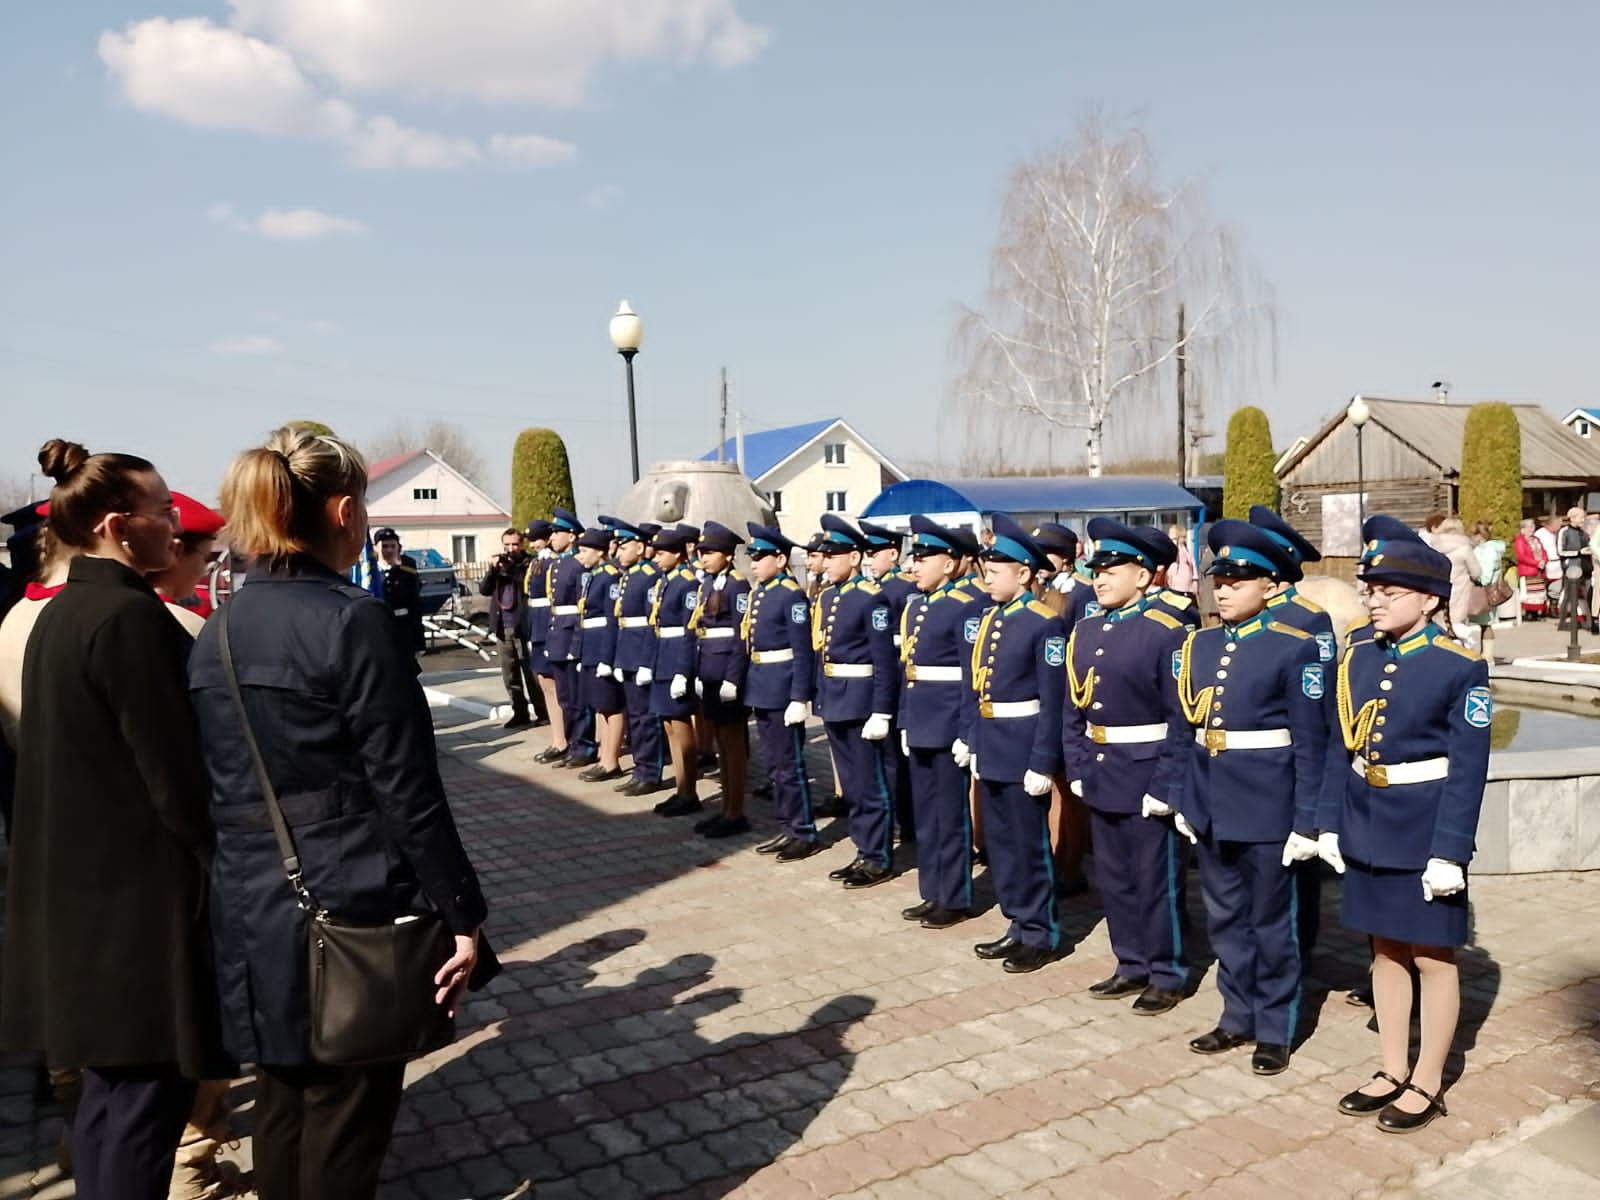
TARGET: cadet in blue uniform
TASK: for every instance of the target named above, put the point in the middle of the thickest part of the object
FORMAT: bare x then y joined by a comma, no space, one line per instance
1399,815
721,662
779,687
636,655
1255,692
937,632
856,699
535,589
883,567
564,586
1124,750
1065,595
671,692
598,685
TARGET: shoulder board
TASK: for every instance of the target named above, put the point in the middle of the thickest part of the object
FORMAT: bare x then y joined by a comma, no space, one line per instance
870,588
612,569
1455,648
1280,627
958,594
1308,605
1176,599
1039,609
1161,618
790,585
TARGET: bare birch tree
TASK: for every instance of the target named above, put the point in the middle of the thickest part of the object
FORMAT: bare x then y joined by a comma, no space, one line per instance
449,441
1092,259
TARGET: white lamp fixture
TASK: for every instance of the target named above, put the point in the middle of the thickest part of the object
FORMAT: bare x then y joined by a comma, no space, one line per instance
1359,411
626,329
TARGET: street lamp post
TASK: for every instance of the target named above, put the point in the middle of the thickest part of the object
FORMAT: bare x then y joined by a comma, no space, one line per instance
1359,414
626,332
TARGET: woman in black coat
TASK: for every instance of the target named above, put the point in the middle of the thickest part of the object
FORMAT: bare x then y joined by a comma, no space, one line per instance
107,949
348,743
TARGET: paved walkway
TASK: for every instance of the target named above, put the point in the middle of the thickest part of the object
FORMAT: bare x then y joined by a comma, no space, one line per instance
680,1017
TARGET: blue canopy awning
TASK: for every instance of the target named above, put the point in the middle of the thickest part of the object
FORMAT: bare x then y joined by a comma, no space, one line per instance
1057,498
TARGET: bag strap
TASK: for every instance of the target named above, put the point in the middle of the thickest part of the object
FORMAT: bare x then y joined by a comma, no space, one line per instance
280,826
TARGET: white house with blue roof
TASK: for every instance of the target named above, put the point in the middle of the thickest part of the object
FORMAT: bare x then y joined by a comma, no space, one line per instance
807,470
1582,421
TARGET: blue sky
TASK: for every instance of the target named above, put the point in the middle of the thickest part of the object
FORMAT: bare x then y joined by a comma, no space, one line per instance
221,216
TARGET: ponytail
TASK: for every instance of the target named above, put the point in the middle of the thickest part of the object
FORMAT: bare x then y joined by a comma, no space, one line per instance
274,497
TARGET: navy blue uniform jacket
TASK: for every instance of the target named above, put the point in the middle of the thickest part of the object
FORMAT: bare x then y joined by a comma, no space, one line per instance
348,742
602,588
937,633
1017,656
636,641
566,590
536,587
779,619
852,621
721,657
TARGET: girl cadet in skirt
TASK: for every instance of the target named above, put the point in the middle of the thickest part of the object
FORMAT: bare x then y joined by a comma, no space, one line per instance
1414,713
721,662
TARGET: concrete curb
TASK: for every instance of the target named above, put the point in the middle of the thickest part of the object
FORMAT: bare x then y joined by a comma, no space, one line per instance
488,712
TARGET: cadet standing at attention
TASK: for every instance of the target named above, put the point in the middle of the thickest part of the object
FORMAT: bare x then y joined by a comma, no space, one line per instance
671,695
1255,693
856,699
938,629
636,655
882,566
1124,749
564,586
721,662
779,687
535,588
1011,740
598,685
1068,599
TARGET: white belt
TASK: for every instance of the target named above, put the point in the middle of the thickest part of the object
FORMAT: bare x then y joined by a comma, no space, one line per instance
710,634
401,612
1424,770
633,622
847,670
565,610
762,657
670,631
930,674
538,601
1005,710
593,622
1122,735
1243,739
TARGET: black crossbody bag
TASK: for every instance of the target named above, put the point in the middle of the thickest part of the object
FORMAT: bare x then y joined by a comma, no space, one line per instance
372,989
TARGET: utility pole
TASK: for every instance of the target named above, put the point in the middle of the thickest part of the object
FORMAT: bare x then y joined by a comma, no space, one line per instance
1183,414
722,425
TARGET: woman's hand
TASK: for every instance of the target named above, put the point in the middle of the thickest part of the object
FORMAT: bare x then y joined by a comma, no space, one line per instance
452,977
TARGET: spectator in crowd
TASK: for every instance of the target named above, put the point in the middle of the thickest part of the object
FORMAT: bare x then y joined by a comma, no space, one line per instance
1530,555
402,591
348,744
1546,533
503,584
1489,553
193,553
1577,569
1448,536
1181,575
106,933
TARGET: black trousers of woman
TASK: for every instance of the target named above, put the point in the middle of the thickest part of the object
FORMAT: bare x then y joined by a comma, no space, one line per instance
127,1129
321,1132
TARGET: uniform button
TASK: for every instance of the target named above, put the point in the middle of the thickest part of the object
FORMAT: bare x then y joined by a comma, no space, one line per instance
1216,720
1377,737
1230,647
1097,705
1099,758
1106,628
1218,690
1099,650
1380,720
1389,668
1222,674
1373,756
1225,660
910,683
1386,684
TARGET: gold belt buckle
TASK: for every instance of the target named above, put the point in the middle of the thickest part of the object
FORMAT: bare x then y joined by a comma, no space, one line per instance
985,709
827,669
911,672
1097,734
1216,739
1377,775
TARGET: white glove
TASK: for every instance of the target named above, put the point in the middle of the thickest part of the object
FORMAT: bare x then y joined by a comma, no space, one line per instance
795,713
578,668
727,692
905,745
1036,784
699,688
876,728
1328,851
1442,877
1076,787
1299,849
1183,827
960,752
679,687
974,766
603,671
644,676
1151,807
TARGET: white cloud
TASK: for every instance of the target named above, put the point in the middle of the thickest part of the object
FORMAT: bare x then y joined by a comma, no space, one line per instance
256,343
293,224
530,149
603,196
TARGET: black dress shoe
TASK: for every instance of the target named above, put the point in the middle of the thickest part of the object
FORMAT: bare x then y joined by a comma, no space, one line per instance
917,911
538,722
1361,1104
600,774
846,870
798,849
1029,958
518,722
578,760
646,787
943,918
1218,1041
1395,1120
867,875
1360,997
550,754
773,844
999,948
727,827
1155,1000
1270,1058
705,823
678,805
1116,987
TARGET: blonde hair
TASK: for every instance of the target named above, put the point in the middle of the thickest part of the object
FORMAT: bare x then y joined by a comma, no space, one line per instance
274,497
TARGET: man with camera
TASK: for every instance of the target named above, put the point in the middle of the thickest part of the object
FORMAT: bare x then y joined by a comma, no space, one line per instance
502,583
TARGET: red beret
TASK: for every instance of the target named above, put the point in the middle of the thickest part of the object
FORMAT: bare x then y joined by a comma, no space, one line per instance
196,517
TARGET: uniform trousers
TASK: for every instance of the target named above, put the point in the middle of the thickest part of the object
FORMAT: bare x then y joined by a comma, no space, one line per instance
1138,868
522,689
1250,899
864,782
939,793
1308,904
321,1132
127,1130
644,731
783,750
578,718
1016,835
905,812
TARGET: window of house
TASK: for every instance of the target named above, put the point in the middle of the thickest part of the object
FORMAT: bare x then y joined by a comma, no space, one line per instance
776,499
836,502
464,547
1583,427
424,493
833,454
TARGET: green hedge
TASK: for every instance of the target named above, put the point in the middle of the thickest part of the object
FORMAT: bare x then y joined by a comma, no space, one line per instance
1247,474
1491,469
314,427
541,476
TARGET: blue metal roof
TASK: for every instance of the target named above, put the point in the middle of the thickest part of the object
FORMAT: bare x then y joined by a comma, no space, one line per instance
1029,494
765,450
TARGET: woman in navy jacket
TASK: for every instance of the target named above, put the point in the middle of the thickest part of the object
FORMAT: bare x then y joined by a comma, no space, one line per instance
348,742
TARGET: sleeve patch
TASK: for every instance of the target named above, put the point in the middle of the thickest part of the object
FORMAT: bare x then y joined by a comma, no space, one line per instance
969,629
797,614
1311,681
690,599
615,591
1325,647
1055,651
880,619
1177,663
742,604
1479,707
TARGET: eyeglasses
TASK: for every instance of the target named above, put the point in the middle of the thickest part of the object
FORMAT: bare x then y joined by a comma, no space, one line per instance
169,514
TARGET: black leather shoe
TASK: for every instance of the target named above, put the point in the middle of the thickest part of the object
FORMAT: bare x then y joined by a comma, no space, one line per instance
1029,958
847,870
1394,1120
678,805
727,827
550,754
999,948
628,787
1116,987
600,774
705,823
943,918
1270,1058
517,722
797,849
1360,1104
538,722
917,911
1218,1041
1360,997
579,760
868,875
773,844
1155,1000
648,788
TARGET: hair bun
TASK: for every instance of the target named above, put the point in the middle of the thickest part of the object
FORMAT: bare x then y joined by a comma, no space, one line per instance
59,458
